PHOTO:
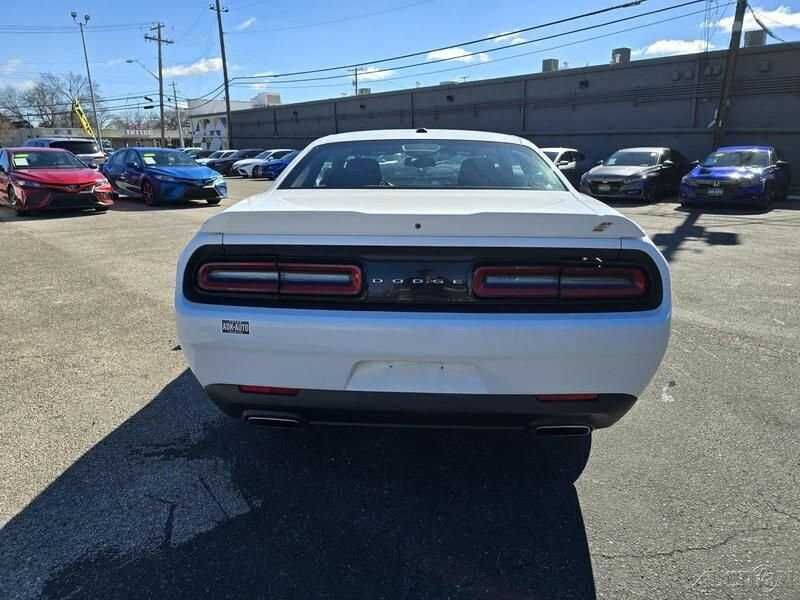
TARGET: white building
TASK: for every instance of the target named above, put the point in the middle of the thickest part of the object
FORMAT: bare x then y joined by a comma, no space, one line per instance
208,120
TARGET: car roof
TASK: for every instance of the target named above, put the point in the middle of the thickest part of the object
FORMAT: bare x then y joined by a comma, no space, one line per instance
421,134
59,138
644,149
34,149
735,148
558,149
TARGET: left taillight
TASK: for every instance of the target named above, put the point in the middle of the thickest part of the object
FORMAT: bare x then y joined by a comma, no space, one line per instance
280,278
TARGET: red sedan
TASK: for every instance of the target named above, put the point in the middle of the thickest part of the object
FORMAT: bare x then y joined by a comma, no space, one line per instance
33,179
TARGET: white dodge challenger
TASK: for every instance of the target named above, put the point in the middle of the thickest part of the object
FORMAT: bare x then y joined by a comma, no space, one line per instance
423,278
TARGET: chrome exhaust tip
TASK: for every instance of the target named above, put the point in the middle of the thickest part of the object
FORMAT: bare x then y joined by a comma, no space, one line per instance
272,420
564,430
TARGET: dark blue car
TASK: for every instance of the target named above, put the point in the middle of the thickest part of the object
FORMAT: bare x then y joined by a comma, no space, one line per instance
752,175
163,175
272,168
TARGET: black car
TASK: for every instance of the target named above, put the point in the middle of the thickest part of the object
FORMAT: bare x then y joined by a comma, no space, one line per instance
223,165
636,173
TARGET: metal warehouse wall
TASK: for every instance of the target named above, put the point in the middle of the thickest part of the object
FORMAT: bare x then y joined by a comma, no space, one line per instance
659,102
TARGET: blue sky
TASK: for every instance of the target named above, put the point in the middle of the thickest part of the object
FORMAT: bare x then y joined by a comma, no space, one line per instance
275,36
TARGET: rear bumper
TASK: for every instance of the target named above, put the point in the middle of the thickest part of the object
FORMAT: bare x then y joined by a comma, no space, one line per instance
431,363
324,407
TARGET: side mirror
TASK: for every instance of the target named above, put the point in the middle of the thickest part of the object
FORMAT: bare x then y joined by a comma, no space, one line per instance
132,165
562,163
600,162
668,163
781,163
694,163
94,166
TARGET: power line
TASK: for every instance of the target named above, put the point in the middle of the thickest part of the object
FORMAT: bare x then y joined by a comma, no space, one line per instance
269,78
504,58
479,40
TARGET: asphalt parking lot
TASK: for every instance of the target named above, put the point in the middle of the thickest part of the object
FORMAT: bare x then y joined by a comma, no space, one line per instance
118,479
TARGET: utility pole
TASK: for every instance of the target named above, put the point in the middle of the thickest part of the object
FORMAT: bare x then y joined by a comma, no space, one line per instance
177,113
98,132
219,10
355,81
728,77
160,41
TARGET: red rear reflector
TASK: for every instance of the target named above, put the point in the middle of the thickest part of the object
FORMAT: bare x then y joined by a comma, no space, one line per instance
238,277
322,280
515,282
580,282
566,397
269,390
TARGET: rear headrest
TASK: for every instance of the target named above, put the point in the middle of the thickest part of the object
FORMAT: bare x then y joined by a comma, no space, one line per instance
356,172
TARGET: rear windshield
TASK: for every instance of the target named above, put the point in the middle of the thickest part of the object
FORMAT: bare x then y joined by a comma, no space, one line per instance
76,146
737,158
628,158
434,164
31,159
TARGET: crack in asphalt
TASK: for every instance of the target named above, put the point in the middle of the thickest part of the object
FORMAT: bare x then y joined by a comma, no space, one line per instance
674,551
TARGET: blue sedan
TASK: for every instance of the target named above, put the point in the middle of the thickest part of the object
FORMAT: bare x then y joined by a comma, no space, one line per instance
272,168
752,175
163,175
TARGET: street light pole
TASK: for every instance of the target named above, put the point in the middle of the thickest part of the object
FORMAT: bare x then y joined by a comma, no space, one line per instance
98,132
177,113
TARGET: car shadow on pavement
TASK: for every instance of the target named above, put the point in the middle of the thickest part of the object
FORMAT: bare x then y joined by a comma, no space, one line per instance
135,204
179,502
8,214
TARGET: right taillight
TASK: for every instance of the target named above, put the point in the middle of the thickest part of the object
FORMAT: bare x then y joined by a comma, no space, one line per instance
554,282
614,282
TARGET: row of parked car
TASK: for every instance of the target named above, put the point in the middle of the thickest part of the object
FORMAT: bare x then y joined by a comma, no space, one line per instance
62,173
752,175
251,162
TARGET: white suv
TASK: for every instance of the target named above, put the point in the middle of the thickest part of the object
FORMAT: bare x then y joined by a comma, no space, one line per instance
86,149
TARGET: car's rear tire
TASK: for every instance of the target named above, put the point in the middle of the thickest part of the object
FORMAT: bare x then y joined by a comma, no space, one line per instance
100,209
148,193
213,201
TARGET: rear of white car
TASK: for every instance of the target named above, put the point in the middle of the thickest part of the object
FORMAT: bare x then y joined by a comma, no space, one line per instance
423,307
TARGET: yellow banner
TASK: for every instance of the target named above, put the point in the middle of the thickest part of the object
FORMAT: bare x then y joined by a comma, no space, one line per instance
87,127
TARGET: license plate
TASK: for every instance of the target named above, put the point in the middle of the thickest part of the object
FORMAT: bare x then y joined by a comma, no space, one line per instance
604,187
715,191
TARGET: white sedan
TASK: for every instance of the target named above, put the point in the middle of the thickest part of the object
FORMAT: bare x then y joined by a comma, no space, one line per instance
245,166
465,282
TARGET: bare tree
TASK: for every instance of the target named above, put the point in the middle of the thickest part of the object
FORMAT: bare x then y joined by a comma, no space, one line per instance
48,103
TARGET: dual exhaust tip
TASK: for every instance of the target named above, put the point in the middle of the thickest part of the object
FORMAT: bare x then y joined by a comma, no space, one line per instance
275,420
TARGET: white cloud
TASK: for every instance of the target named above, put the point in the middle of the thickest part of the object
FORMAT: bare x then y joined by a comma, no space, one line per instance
199,67
781,17
507,38
458,54
483,57
374,73
246,24
10,66
671,47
